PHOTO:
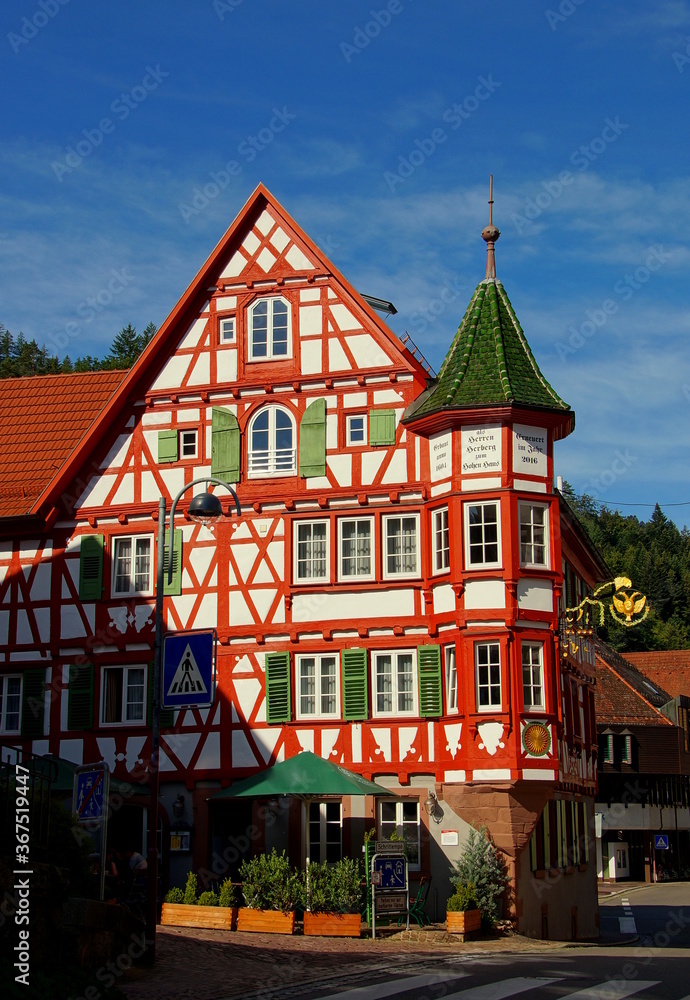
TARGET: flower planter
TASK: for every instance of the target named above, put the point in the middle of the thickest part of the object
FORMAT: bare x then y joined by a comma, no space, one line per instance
333,924
184,915
464,922
265,921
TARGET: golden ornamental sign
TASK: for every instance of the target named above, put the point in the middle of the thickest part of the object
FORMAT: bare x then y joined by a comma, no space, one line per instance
626,606
536,739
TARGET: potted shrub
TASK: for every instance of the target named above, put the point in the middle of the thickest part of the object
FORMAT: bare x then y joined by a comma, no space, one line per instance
481,866
333,902
184,909
271,890
462,914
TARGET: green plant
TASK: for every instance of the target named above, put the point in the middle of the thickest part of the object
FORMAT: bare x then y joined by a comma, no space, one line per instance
269,883
227,893
370,835
190,890
333,888
207,898
463,899
481,866
174,895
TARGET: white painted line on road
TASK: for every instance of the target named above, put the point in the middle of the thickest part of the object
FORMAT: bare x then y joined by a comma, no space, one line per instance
502,990
613,992
395,986
627,925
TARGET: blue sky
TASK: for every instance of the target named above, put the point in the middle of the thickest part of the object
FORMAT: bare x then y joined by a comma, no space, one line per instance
377,126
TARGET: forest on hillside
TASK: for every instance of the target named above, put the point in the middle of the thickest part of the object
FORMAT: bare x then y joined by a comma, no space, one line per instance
655,556
19,356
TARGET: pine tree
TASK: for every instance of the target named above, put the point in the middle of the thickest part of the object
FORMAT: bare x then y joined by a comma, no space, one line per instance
482,867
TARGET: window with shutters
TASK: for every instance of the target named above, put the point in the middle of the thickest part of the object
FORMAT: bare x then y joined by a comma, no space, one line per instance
278,702
189,443
401,818
440,539
91,567
269,330
451,679
534,549
532,675
355,687
356,430
10,703
401,546
356,548
271,443
132,565
311,551
487,660
394,683
318,687
123,695
606,748
482,536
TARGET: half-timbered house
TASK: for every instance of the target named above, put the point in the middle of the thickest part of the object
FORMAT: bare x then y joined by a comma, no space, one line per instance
389,597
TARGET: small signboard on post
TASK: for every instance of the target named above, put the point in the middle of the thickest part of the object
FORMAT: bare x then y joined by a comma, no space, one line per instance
189,669
389,884
90,793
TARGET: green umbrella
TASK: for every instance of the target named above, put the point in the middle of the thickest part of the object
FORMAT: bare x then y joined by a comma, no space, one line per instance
306,777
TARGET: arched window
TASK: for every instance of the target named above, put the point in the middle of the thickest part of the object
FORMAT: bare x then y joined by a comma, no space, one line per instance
271,443
269,330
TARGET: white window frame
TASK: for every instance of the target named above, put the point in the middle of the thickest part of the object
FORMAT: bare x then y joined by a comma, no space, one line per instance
310,560
401,825
440,540
4,695
395,693
485,563
400,556
126,671
348,430
318,693
526,507
272,456
271,354
227,330
490,685
132,589
451,672
188,431
372,549
324,825
532,676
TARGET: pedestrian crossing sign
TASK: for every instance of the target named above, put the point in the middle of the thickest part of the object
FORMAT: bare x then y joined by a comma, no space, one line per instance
189,669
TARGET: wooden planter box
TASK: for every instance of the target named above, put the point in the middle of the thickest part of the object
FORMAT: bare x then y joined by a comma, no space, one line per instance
265,921
183,915
463,923
333,924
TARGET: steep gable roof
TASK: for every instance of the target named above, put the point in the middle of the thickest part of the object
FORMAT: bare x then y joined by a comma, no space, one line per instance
243,255
42,420
668,668
623,695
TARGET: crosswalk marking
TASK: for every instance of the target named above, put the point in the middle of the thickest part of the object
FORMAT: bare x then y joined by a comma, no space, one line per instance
501,990
612,991
627,925
395,986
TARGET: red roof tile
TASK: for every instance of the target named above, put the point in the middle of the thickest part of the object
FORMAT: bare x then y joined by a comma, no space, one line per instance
617,703
669,668
42,420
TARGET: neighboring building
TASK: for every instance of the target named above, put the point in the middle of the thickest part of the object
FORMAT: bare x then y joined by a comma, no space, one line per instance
390,597
643,800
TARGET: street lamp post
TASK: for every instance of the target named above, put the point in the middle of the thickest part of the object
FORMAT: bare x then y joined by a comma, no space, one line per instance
205,508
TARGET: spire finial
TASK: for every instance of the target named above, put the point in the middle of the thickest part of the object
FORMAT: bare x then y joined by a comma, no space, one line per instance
490,234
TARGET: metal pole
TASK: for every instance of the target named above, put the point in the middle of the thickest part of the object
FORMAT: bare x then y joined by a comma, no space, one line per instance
152,843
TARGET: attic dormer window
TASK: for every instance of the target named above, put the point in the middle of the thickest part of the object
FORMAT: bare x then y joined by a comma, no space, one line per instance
269,330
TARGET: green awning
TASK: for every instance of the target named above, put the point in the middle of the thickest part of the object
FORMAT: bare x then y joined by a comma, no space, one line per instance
306,776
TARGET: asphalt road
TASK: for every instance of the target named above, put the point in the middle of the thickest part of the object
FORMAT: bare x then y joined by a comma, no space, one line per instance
659,913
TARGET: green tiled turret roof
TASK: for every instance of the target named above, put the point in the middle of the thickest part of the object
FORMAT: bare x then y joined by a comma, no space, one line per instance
489,362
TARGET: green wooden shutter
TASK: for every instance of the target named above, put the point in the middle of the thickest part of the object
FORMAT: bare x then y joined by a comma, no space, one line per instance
312,440
277,687
33,702
225,445
80,700
167,714
91,567
354,671
382,427
430,685
167,446
174,588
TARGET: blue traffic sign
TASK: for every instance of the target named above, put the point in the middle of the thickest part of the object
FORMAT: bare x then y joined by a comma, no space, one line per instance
393,871
661,841
90,793
189,669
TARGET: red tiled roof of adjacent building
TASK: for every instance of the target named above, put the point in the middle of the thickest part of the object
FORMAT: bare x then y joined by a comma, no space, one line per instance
42,420
669,668
623,695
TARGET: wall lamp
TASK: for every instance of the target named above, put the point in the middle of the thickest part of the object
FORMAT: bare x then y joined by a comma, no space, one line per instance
433,807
